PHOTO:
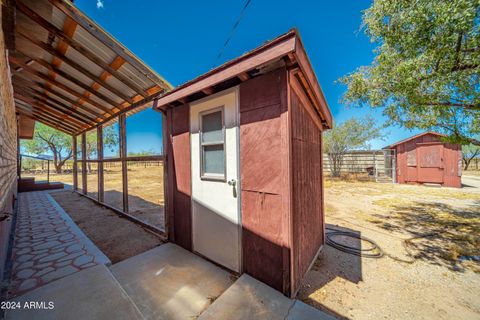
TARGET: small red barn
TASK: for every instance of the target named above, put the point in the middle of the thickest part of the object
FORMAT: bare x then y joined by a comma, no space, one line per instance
244,159
424,158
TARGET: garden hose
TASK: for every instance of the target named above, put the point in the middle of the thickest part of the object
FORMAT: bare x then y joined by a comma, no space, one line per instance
372,252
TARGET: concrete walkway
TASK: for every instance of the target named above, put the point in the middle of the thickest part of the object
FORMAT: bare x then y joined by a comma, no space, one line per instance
166,282
48,244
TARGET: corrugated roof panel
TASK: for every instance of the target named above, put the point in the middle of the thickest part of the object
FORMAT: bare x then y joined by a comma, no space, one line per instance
80,59
58,18
114,82
76,74
95,46
110,95
132,73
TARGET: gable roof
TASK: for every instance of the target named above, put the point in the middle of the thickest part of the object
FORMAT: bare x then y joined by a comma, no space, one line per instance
287,47
414,137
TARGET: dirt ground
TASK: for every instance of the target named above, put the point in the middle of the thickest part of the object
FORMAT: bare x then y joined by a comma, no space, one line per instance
427,235
117,237
145,188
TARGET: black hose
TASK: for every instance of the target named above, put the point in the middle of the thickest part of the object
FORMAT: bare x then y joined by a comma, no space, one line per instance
371,252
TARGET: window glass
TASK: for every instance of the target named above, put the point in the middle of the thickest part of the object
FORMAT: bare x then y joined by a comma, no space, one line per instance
212,127
214,159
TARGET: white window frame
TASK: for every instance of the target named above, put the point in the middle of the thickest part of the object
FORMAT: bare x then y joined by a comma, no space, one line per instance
205,175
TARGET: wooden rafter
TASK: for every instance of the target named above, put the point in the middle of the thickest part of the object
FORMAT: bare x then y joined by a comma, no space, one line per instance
57,84
45,118
78,47
81,20
30,82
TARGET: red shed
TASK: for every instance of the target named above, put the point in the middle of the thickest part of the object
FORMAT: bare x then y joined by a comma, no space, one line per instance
244,163
424,158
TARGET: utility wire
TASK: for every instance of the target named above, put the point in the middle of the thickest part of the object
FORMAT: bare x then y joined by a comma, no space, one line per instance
240,17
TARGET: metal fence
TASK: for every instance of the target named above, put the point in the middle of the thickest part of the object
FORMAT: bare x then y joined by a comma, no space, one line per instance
378,165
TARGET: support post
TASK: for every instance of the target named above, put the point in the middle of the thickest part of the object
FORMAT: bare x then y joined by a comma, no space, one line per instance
166,218
84,163
74,171
100,163
48,171
123,157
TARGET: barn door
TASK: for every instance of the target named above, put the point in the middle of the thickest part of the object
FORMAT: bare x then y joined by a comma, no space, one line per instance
430,162
215,171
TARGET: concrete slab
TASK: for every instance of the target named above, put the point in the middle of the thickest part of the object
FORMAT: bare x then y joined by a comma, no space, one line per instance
302,311
90,294
169,282
248,298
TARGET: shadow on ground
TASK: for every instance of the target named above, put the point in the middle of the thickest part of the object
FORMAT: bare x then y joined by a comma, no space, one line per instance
440,233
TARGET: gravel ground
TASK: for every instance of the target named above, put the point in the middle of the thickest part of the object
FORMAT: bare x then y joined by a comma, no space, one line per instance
421,283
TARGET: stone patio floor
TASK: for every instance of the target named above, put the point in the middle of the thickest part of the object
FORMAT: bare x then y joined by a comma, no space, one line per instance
48,245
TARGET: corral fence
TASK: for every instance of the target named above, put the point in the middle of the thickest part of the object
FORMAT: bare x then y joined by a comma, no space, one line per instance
378,165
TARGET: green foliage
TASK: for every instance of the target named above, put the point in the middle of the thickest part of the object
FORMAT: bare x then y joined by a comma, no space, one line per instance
427,66
150,152
352,134
469,152
110,140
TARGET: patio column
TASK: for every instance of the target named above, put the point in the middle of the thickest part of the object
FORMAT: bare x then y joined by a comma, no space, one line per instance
100,163
123,157
74,171
84,163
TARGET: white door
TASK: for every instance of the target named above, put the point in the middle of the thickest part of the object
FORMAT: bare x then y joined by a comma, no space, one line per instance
215,170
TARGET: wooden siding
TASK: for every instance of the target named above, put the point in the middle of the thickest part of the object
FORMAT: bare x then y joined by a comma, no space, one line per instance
179,177
425,159
307,187
264,170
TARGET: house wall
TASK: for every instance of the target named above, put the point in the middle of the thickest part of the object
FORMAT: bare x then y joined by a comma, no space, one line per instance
264,170
8,151
307,185
409,171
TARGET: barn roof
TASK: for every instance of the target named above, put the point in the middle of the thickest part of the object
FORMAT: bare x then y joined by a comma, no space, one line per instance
287,49
70,74
414,137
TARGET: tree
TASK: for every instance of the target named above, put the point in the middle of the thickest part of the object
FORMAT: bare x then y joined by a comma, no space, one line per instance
469,153
47,139
110,140
352,134
426,73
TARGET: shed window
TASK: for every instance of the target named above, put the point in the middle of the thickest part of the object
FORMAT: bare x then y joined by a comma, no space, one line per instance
212,145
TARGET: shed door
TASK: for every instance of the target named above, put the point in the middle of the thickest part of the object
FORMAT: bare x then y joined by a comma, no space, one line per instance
430,162
215,171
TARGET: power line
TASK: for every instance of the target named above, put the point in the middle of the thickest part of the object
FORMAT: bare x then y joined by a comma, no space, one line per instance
242,13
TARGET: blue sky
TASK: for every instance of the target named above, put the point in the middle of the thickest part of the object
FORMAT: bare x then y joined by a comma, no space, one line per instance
181,40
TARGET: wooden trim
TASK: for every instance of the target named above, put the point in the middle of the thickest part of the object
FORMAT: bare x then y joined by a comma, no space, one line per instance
123,155
75,171
77,46
109,42
100,164
166,203
262,55
84,163
41,118
75,66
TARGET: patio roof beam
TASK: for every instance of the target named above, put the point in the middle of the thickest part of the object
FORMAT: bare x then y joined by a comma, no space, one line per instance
45,78
41,117
76,66
77,46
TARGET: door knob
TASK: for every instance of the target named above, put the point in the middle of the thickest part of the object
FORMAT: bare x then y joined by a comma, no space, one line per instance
232,182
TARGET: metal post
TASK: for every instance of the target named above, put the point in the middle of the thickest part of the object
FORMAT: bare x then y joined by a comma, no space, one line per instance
100,163
84,163
74,169
123,157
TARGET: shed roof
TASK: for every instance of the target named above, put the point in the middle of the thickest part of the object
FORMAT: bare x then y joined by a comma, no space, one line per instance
414,137
69,73
285,49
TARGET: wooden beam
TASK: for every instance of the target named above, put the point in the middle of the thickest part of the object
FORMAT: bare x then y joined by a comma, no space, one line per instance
123,156
70,78
47,100
84,163
8,23
75,171
244,76
77,46
208,91
101,184
109,42
43,118
44,77
63,97
75,66
74,124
